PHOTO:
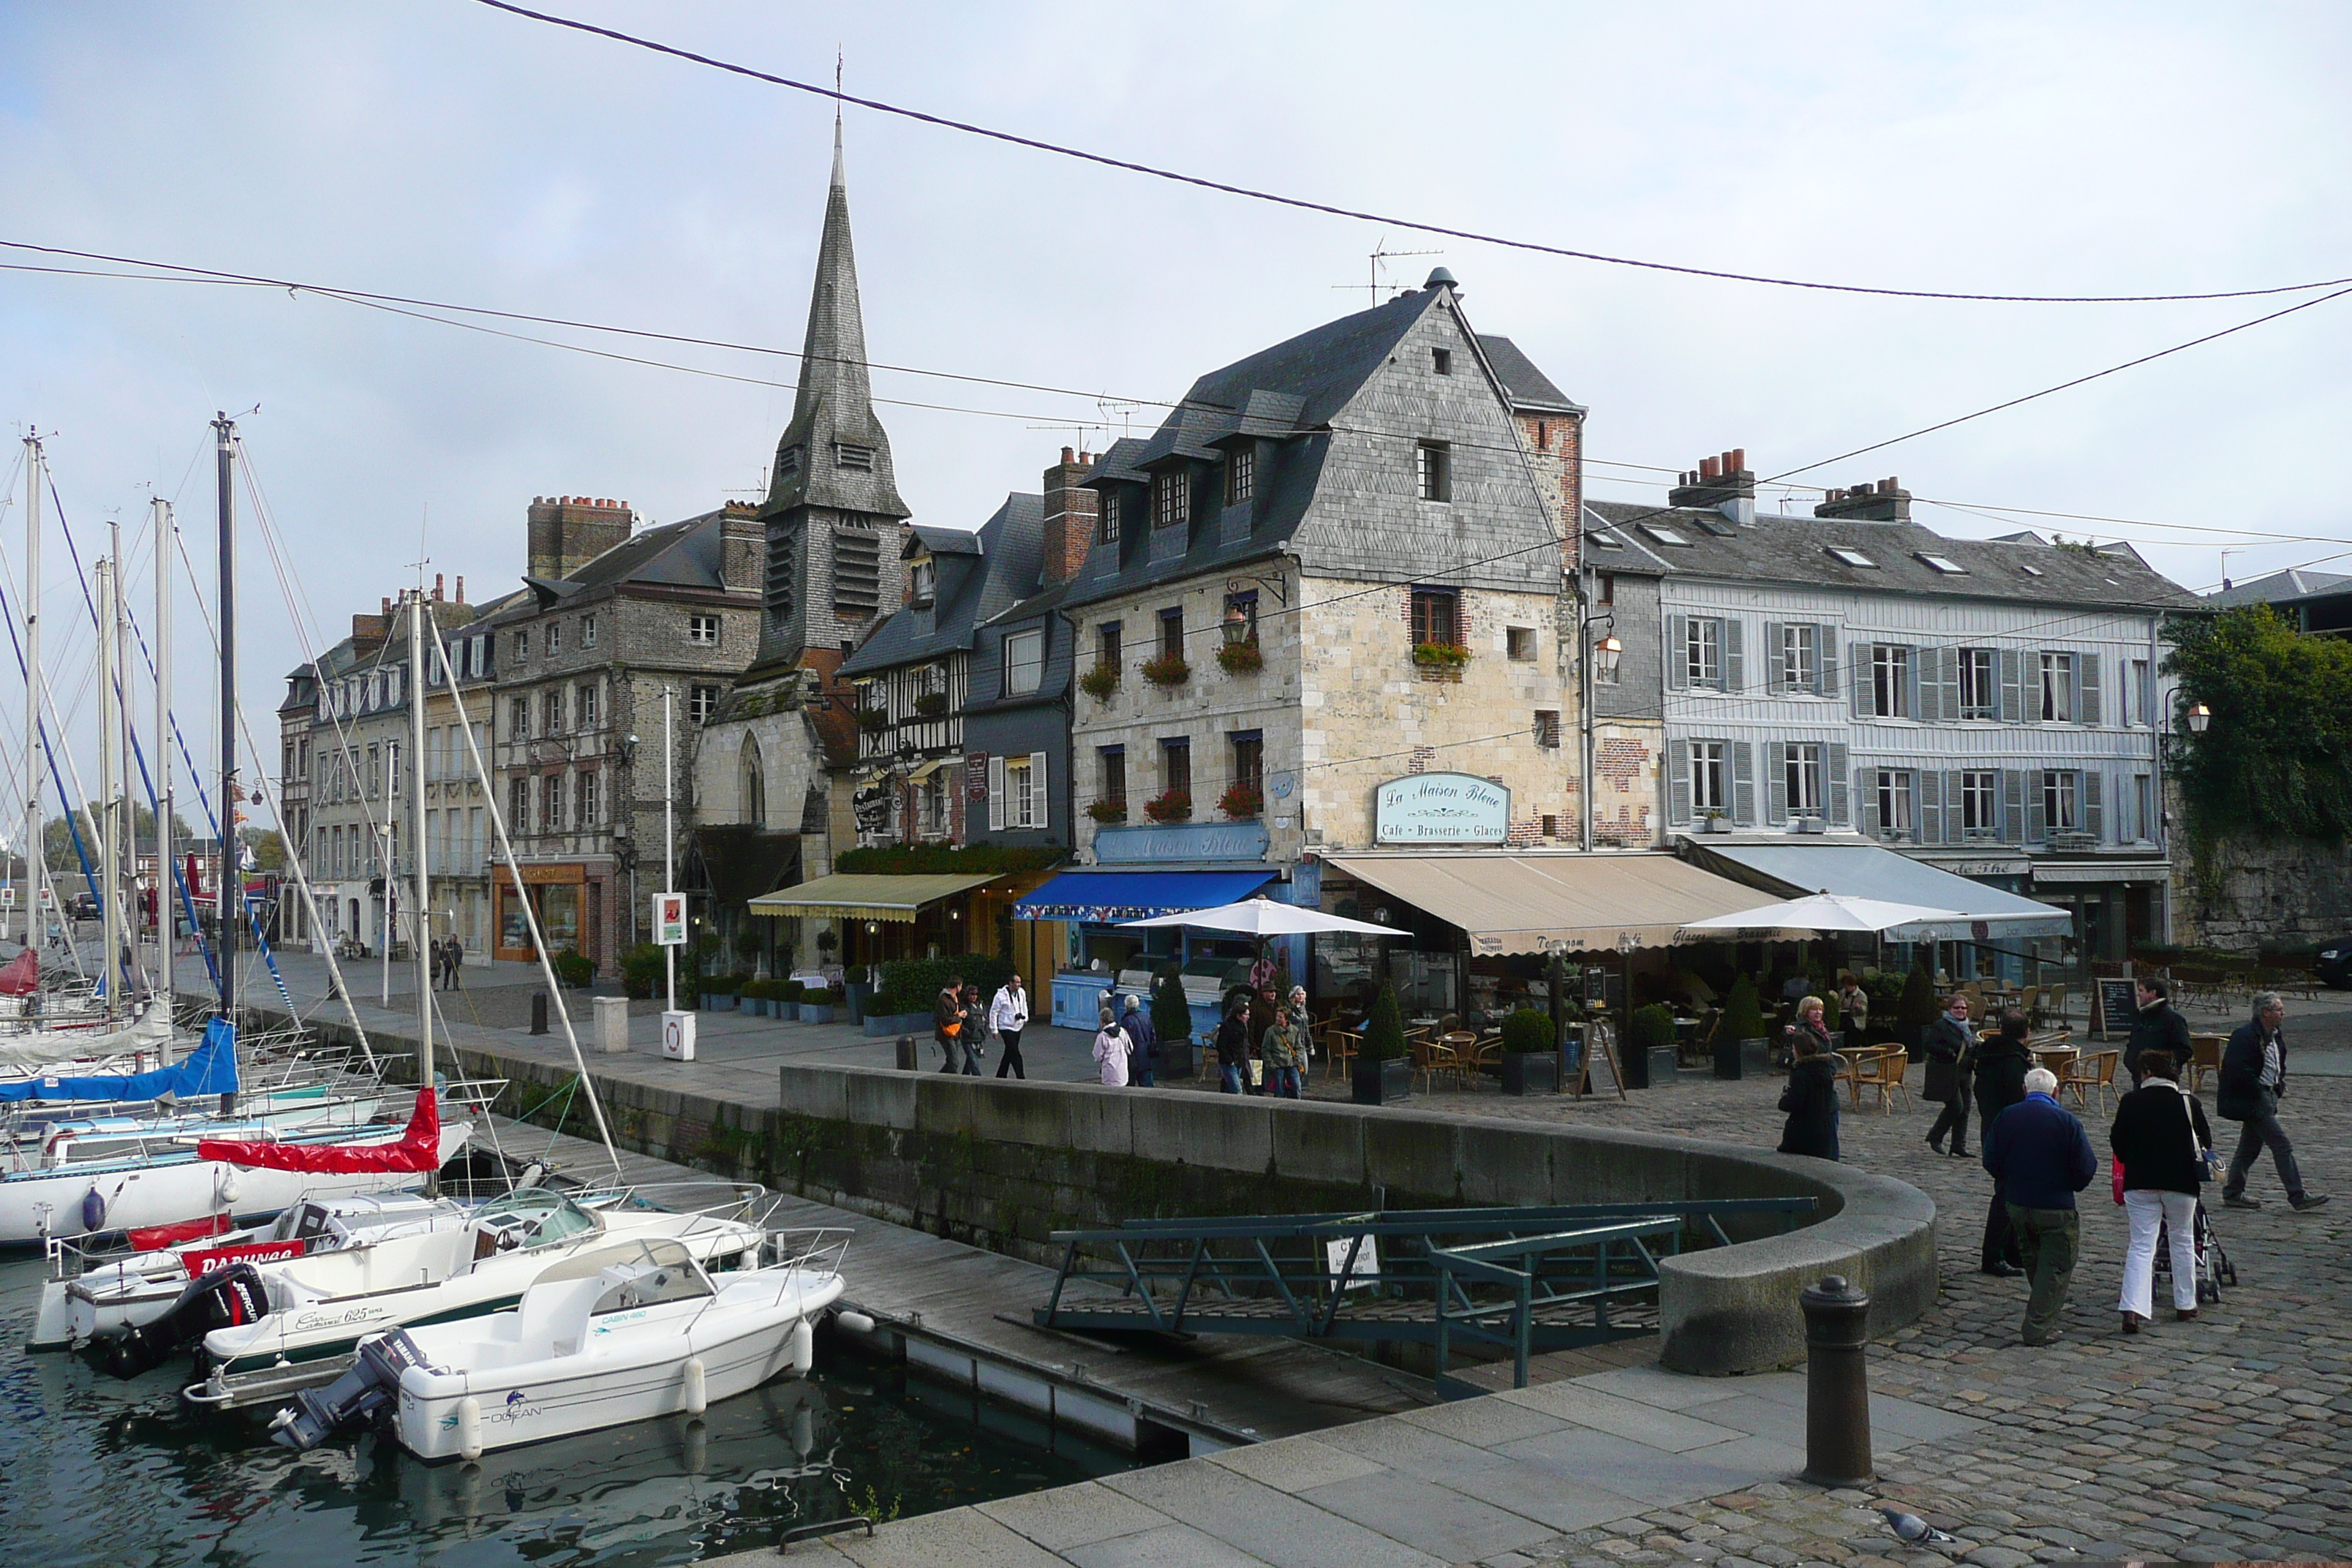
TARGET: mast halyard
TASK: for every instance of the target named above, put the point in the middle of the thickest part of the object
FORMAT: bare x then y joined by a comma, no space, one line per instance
230,906
420,930
106,820
166,552
36,761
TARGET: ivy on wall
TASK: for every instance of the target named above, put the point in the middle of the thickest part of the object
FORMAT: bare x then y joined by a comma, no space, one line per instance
2276,758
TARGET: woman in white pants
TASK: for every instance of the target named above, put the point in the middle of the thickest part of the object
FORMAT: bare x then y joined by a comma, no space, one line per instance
2161,1136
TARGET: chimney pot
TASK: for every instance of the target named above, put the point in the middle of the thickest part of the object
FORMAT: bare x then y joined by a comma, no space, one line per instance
1738,458
1709,468
461,587
1065,455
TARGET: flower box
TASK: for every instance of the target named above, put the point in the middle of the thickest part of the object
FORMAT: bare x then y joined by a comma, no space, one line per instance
1242,657
1100,681
1175,807
931,704
1108,811
873,721
1242,802
1440,660
1168,669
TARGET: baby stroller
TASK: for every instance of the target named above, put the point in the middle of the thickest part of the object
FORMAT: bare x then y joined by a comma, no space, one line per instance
2214,1268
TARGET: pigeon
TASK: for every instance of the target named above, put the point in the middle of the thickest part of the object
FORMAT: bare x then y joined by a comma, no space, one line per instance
1911,1527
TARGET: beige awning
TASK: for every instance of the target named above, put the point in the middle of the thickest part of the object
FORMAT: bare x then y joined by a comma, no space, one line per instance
872,897
927,769
1520,903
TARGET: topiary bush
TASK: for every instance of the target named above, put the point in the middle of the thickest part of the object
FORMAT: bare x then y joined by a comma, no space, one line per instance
1653,1027
1384,1031
912,985
1171,1015
641,971
1918,1009
1743,1016
1527,1033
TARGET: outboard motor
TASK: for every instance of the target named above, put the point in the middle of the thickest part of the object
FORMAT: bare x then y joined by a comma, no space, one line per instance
217,1299
372,1382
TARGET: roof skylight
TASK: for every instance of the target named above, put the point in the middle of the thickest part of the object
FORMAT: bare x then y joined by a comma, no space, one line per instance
1945,565
1850,555
1665,535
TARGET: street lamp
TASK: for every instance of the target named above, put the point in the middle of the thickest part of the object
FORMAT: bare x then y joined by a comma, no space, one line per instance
1236,627
2198,717
1606,656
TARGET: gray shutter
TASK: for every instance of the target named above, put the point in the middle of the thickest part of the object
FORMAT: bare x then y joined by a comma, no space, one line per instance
1678,782
2087,690
1677,656
2013,807
1040,791
1927,690
1866,800
1776,663
1743,783
995,793
1733,665
2093,792
2037,811
2013,687
1857,663
1955,816
1776,783
1825,660
1838,808
1927,805
1947,677
1911,677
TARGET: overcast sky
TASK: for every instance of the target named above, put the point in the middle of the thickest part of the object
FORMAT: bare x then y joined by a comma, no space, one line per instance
441,148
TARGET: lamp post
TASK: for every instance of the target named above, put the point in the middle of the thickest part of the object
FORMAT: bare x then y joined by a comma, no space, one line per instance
2198,717
1604,654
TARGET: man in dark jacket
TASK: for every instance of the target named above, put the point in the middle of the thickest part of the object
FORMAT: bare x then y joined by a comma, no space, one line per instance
1141,1038
2253,1081
2159,1026
2040,1157
947,1025
1233,1045
1949,1043
2001,1064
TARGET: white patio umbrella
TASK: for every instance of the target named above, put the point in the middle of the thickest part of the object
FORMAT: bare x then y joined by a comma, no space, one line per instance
1825,912
1263,917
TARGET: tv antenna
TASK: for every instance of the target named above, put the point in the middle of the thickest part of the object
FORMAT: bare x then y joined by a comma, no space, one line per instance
1379,254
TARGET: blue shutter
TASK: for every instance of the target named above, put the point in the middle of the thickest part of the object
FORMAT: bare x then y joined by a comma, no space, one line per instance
1678,782
1743,783
1911,673
1928,804
1825,660
1838,808
1857,659
1732,663
1776,783
2013,687
1677,652
2088,692
2037,809
2091,789
1776,664
1866,800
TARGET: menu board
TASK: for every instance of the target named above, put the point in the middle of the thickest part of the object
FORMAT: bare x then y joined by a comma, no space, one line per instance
2113,1004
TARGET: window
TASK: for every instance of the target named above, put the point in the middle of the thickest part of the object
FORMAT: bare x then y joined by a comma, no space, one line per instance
1171,633
923,580
1801,657
550,712
519,805
1106,644
584,702
1851,557
1107,518
1111,772
1519,642
519,719
1436,618
1172,499
1176,765
1979,683
1944,564
1547,729
1024,661
551,802
2029,570
1703,651
588,804
702,631
1710,790
1890,681
1604,587
702,703
479,659
2057,688
1980,804
2060,802
587,631
1246,753
2137,696
375,772
1442,360
1543,436
1606,540
934,804
375,691
1803,771
1894,803
1665,535
397,774
521,643
554,638
2144,804
1024,792
1430,466
850,455
1241,476
788,461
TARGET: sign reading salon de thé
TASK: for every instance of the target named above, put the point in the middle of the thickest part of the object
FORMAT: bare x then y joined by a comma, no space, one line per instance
1441,808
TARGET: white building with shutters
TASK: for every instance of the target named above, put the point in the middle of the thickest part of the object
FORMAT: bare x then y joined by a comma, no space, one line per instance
1989,706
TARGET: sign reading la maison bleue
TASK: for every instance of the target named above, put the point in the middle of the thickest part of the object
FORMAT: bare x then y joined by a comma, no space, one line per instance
1441,808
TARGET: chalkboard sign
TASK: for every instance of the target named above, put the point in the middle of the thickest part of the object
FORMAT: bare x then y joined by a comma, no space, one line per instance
2115,1004
1596,985
1602,1075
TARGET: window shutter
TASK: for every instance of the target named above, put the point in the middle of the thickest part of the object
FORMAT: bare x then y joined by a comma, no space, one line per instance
1865,795
1776,783
2037,809
1776,659
2087,690
2010,806
1840,810
1678,782
1677,652
1732,662
1927,805
1947,676
995,792
1912,681
1857,658
2093,787
1039,794
1825,661
2013,687
1743,783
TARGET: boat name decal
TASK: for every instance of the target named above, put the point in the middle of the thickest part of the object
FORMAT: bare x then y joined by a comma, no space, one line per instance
309,1321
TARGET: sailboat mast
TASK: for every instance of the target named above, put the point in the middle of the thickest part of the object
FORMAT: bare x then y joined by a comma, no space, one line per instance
166,552
36,763
420,933
126,875
105,819
230,906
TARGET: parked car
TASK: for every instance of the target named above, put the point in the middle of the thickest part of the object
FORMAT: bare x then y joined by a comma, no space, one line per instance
82,906
2334,965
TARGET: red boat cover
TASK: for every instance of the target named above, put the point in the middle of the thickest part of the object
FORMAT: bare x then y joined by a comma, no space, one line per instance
156,1237
418,1150
22,975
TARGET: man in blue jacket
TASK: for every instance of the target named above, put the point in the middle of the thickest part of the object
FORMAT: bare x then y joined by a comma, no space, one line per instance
2040,1158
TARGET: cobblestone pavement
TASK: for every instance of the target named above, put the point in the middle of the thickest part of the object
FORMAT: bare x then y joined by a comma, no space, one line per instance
2225,1439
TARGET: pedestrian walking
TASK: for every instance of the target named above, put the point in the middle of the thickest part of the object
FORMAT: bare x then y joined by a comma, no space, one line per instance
1950,1046
975,1034
1300,1016
456,965
1110,1051
1233,1045
2157,1026
2001,1064
1142,1039
1008,1015
947,1024
1283,1048
1811,1098
2161,1140
2040,1157
2253,1081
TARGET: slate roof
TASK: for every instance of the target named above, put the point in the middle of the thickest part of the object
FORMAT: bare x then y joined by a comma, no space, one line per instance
1321,369
1010,561
2280,587
1795,550
688,553
1529,388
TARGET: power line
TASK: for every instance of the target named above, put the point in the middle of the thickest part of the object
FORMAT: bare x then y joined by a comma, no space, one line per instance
1301,203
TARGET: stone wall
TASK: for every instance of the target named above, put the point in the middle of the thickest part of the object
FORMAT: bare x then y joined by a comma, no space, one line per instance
2243,895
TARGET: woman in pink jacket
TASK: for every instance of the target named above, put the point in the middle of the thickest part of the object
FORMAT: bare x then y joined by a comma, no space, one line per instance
1110,1051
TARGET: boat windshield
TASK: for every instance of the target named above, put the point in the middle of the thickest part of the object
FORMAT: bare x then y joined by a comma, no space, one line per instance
638,1273
533,1216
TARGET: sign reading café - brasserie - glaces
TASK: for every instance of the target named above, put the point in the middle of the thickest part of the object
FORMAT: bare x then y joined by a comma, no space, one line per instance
1441,808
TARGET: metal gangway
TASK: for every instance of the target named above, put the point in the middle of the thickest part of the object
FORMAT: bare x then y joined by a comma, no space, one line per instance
1521,1280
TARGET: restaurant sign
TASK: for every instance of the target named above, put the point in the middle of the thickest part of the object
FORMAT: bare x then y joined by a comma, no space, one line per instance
1441,808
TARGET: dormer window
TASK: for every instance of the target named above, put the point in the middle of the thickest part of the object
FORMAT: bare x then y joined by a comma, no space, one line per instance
925,577
1848,556
1107,518
1172,499
1241,476
1442,360
848,455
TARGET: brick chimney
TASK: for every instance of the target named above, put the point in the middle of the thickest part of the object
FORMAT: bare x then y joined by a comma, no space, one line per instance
1724,482
1885,501
372,628
744,547
566,532
1070,511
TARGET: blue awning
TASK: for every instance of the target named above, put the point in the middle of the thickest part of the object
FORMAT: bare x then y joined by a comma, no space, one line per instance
1104,896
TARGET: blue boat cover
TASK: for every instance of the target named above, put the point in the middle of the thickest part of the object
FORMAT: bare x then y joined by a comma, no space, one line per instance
1103,895
210,1068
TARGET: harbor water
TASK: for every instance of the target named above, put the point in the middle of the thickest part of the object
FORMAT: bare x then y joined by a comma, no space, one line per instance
98,1472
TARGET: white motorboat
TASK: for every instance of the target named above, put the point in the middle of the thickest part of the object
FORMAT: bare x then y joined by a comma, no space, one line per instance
611,1335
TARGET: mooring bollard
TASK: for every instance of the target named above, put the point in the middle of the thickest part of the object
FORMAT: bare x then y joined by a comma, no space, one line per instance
538,1012
905,1053
1837,1383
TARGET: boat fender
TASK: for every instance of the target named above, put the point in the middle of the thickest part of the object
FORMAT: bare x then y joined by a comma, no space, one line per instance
229,1189
470,1427
695,1396
803,1345
856,1323
93,1211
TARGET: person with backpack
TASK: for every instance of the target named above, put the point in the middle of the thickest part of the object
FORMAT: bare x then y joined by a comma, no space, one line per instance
1110,1051
2163,1145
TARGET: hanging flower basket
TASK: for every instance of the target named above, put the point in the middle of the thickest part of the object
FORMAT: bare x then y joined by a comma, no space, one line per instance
1108,811
1168,669
1100,681
1242,657
1242,802
873,721
1176,805
931,704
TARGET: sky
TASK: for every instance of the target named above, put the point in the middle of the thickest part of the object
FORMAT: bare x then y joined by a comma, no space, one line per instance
440,149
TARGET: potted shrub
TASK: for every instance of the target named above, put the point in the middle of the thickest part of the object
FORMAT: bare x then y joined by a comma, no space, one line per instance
856,991
1242,802
1109,810
573,970
1241,658
816,1005
1100,681
1176,805
1743,1042
788,999
1383,1072
873,721
1167,669
1530,1063
1918,1008
931,704
1651,1062
1715,821
1440,660
1171,1020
